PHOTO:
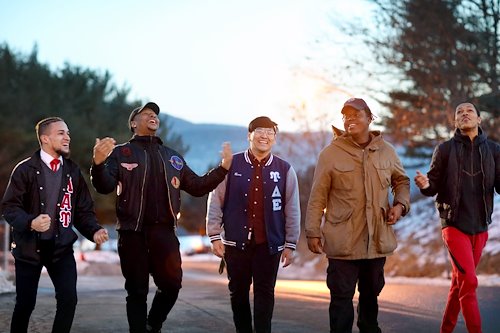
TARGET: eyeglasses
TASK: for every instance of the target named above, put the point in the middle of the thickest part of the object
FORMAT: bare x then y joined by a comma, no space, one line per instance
268,131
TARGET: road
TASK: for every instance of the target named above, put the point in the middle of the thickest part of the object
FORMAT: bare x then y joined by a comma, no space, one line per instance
203,306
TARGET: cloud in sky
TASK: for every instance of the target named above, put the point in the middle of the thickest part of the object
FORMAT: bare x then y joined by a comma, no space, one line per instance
215,61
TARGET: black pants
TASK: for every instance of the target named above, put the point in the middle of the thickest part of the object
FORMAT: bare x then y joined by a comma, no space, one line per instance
342,276
242,266
63,276
154,250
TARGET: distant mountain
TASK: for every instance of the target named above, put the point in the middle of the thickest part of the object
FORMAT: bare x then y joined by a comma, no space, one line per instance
205,141
301,150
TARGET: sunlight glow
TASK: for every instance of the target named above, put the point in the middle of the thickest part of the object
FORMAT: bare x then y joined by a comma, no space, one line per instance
315,101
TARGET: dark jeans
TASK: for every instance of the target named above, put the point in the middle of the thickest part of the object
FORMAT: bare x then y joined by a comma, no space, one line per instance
154,250
242,266
342,276
63,276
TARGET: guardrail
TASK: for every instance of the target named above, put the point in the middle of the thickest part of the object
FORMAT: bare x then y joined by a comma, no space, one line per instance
5,246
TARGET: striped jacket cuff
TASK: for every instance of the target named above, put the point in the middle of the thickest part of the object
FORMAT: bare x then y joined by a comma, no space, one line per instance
214,238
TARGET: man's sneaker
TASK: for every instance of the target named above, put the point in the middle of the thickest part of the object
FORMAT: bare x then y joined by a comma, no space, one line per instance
150,329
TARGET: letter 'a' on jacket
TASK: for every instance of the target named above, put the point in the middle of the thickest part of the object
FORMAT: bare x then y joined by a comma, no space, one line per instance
349,200
24,200
227,218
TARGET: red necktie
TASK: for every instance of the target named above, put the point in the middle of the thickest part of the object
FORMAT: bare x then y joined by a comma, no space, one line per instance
54,163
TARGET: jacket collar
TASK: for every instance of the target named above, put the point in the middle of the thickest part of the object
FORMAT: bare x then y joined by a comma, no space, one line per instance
248,158
35,161
343,139
480,138
146,139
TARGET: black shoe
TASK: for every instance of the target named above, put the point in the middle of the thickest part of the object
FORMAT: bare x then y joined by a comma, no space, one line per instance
150,329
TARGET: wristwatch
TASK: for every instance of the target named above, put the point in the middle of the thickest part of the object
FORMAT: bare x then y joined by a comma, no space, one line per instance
404,207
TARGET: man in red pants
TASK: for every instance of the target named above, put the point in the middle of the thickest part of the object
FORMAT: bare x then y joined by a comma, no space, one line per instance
464,173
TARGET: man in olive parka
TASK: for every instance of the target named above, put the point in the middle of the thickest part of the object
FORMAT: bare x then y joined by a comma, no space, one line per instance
350,194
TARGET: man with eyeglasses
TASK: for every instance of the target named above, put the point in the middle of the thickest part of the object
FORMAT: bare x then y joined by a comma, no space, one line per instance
349,208
253,220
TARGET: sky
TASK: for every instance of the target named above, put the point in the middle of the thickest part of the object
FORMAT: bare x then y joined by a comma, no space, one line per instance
206,61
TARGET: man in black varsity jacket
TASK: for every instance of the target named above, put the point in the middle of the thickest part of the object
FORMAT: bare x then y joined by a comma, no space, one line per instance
47,196
253,220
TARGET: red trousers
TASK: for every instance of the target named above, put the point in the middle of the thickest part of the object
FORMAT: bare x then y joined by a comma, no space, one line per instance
464,252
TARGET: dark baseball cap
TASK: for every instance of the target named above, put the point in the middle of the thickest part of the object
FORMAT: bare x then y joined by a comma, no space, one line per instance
262,121
358,104
136,111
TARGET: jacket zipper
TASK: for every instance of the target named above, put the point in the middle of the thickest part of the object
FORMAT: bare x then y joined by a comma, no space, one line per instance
142,191
168,191
484,187
473,172
365,152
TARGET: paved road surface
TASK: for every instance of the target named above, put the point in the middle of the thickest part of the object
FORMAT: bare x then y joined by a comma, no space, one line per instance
203,306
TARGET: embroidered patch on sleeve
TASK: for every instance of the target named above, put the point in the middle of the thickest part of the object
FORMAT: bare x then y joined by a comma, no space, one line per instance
176,162
126,151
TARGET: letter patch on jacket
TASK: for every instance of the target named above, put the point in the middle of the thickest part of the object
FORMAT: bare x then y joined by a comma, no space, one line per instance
276,199
65,208
275,176
176,162
129,166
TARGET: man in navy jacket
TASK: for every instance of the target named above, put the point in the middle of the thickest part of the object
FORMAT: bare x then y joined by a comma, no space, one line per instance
253,220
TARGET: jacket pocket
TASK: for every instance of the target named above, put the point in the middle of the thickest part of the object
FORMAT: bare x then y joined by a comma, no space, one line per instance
343,176
384,172
24,248
384,237
338,236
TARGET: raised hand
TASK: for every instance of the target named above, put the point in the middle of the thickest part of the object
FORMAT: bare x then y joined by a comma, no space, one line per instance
227,155
102,149
421,180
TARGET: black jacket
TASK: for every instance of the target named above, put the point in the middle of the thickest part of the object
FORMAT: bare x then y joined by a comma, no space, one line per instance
24,200
125,170
445,176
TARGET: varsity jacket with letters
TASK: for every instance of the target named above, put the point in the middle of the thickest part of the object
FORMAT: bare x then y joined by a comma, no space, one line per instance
25,198
227,218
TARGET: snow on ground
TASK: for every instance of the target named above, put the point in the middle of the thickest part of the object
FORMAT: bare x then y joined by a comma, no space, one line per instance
6,286
416,234
293,272
308,272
